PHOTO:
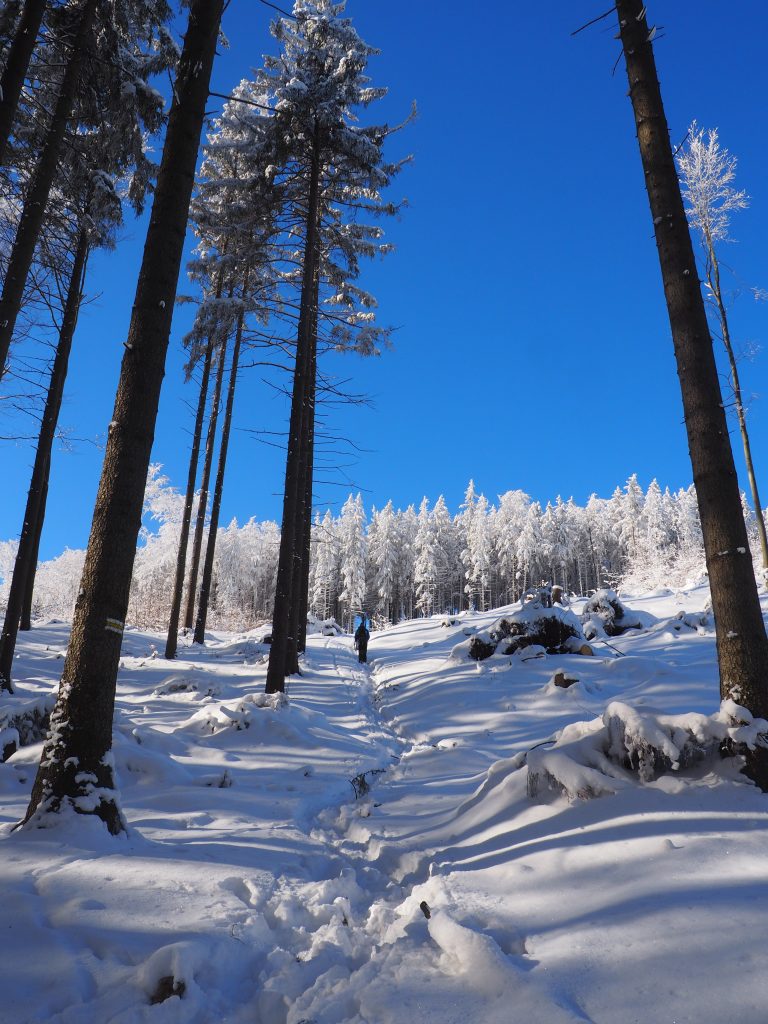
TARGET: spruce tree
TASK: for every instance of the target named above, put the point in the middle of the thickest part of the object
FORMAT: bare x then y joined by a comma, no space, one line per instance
338,171
108,50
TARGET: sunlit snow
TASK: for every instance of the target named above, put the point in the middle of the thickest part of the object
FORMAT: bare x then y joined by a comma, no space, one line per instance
367,851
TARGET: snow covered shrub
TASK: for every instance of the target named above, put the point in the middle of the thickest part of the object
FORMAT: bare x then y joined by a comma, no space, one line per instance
628,744
605,615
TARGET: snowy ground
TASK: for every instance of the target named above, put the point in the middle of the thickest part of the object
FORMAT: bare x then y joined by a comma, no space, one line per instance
280,855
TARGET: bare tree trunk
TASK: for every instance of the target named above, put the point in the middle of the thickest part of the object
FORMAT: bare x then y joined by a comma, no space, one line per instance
202,508
76,766
25,622
15,70
713,280
742,645
181,558
218,490
290,537
36,198
26,556
301,577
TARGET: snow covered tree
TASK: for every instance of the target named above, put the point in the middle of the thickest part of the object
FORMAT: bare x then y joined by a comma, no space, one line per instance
448,564
352,551
337,171
707,172
742,645
325,574
464,526
529,546
108,51
425,569
382,551
689,550
405,593
512,510
477,555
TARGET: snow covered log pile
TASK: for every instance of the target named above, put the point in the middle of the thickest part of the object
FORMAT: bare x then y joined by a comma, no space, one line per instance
605,615
630,744
554,629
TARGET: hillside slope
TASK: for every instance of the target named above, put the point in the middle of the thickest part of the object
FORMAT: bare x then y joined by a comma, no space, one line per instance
367,852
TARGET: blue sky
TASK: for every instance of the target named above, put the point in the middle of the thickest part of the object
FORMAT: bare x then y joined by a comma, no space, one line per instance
532,347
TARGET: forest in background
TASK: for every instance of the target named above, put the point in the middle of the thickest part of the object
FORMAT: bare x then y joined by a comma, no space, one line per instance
396,564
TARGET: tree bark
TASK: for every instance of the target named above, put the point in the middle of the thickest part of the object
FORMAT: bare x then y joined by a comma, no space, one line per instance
26,556
302,579
742,645
76,767
36,198
289,537
25,622
218,491
210,444
15,70
181,559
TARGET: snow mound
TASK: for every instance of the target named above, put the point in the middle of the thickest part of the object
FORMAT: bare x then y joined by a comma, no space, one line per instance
232,714
605,755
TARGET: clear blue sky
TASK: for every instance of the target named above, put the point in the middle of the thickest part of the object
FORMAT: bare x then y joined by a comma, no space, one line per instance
532,348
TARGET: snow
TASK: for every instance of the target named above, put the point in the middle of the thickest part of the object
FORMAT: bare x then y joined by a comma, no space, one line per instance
368,851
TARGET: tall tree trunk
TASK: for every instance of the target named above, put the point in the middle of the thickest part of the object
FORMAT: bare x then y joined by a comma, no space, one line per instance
290,534
218,490
25,622
26,556
202,508
36,199
76,767
181,558
15,70
742,645
302,582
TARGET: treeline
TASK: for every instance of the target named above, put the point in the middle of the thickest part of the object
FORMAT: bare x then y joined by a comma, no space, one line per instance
396,563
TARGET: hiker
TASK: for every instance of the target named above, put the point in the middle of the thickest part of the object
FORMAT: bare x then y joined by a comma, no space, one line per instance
361,641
